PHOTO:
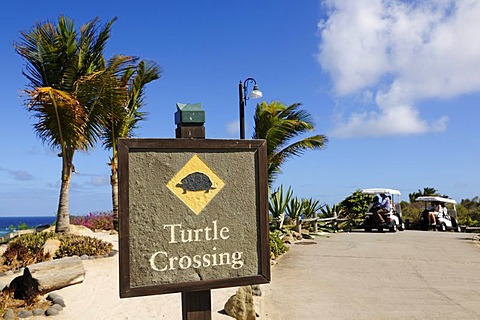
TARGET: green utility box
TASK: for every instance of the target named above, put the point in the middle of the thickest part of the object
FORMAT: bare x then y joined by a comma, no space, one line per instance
190,121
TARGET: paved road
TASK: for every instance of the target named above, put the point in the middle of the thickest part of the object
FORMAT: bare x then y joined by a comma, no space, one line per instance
358,275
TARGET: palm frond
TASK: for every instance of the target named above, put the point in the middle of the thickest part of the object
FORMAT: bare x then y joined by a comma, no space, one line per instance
60,118
129,78
279,125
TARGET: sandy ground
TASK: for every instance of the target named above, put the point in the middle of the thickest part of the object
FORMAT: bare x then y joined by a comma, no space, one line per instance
97,297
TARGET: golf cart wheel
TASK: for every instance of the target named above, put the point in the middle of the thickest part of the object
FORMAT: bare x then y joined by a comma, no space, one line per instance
368,229
443,227
380,229
401,226
458,229
393,228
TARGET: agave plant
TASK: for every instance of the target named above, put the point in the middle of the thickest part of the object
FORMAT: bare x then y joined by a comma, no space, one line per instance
311,207
294,211
278,205
329,212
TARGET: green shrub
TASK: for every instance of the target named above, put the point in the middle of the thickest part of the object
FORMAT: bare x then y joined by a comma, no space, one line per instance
277,247
21,226
353,208
26,249
75,245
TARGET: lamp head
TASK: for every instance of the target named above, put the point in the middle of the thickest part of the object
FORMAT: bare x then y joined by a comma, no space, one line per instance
256,93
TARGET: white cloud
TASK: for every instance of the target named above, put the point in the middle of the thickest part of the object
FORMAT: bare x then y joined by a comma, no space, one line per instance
399,120
100,180
233,127
21,175
403,53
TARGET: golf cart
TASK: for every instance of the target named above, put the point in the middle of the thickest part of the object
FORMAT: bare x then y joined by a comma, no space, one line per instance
444,221
393,218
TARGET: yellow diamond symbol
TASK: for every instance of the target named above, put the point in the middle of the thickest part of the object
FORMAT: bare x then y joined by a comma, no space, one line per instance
195,184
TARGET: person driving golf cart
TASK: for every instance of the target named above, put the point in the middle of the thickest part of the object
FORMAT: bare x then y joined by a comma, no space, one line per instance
383,214
385,205
374,207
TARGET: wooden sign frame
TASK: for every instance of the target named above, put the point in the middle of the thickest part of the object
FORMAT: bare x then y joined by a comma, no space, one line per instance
258,150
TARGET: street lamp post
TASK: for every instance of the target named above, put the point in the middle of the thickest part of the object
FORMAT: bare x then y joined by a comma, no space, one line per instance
242,93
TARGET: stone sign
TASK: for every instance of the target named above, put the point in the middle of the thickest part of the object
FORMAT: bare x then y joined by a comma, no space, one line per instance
193,215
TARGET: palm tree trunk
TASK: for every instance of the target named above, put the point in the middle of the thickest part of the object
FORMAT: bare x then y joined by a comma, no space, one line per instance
114,183
63,217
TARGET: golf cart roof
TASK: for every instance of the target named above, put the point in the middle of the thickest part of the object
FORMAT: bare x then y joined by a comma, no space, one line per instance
435,198
380,191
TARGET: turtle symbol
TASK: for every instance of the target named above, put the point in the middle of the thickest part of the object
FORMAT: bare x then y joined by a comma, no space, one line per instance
195,181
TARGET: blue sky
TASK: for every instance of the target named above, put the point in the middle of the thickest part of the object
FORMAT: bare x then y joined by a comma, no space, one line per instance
395,87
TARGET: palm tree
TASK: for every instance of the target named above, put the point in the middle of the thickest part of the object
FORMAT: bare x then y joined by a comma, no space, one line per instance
279,124
427,191
125,112
58,63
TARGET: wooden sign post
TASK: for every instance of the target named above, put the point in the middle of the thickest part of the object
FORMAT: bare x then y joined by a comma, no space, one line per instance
190,120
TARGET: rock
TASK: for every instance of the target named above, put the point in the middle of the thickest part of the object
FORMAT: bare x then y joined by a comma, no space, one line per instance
84,257
58,307
256,291
240,306
42,227
59,301
307,236
9,315
53,296
287,239
74,229
38,312
51,311
50,247
57,274
25,314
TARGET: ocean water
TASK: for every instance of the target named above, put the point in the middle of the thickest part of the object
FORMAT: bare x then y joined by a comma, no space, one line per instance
31,222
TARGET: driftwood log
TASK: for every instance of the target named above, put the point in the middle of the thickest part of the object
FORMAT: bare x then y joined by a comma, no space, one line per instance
56,274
